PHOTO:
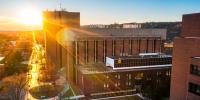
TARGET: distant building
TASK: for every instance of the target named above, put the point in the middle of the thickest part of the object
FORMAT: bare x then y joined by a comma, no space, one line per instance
125,75
185,80
132,25
95,26
115,25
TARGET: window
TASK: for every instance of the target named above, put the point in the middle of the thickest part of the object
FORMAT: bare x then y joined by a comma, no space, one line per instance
139,76
118,76
107,76
158,73
167,73
128,83
194,69
194,88
117,84
128,76
106,85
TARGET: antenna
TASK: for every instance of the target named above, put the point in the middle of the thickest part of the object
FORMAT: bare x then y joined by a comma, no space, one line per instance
60,6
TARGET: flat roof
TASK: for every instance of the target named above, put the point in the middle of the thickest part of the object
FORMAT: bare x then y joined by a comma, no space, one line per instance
123,97
98,68
198,57
115,32
58,11
191,14
142,56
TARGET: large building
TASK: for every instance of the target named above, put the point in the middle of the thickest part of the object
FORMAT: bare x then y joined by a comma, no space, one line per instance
69,45
94,45
185,80
54,21
146,73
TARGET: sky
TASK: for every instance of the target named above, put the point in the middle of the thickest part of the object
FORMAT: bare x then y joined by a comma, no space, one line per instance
99,11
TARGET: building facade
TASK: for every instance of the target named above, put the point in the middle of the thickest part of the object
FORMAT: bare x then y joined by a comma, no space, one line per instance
120,76
185,80
84,48
69,45
53,22
131,25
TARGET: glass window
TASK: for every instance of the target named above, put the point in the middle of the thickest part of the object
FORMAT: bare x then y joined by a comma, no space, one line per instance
194,88
194,69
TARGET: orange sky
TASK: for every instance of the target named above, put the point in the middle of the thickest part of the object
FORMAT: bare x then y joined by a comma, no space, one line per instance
12,25
101,11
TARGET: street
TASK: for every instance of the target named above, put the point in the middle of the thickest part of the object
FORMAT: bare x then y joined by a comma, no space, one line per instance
37,61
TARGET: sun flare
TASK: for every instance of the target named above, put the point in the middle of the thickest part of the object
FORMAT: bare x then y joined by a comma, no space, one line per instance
30,17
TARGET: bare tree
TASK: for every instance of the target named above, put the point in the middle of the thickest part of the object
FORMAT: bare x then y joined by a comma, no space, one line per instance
15,86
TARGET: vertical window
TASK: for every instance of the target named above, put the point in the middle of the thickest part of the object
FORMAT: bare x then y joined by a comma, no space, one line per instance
139,45
118,76
107,76
194,69
113,47
194,88
77,48
154,45
129,76
129,83
104,50
106,85
147,45
123,47
97,43
85,51
130,47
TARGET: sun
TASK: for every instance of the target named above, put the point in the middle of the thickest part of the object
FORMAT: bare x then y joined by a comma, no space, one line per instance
30,16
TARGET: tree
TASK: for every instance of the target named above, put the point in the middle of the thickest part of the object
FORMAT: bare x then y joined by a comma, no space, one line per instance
13,63
15,86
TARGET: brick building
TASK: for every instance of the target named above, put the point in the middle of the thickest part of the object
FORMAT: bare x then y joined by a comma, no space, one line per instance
185,80
69,45
125,75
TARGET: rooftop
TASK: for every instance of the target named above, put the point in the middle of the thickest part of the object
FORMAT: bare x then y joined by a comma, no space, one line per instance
97,68
196,57
142,56
114,32
124,97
